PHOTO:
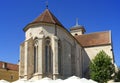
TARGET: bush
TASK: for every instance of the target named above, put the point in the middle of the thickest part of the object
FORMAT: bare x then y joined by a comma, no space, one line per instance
117,76
101,68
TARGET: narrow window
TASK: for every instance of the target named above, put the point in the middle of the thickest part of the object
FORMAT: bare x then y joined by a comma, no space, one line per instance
36,56
59,57
11,77
48,57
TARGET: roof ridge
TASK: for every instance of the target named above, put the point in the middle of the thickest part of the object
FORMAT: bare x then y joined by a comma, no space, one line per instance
40,15
96,32
51,15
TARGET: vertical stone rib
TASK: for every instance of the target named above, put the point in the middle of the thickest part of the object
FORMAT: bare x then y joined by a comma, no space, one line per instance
22,55
30,56
25,60
40,57
55,56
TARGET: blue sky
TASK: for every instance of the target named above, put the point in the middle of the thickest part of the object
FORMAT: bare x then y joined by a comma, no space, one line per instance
95,15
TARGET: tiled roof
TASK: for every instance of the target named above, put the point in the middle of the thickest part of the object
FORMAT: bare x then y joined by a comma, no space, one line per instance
94,39
47,17
9,66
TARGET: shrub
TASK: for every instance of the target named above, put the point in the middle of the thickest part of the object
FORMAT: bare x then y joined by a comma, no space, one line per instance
101,68
117,76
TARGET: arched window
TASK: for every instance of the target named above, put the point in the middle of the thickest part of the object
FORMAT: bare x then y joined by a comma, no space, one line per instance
48,56
36,55
59,57
76,34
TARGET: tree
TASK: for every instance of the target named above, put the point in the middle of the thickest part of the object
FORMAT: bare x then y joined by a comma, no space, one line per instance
117,76
101,68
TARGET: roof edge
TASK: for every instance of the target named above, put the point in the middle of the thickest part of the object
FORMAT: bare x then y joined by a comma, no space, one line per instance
96,32
8,62
97,45
34,23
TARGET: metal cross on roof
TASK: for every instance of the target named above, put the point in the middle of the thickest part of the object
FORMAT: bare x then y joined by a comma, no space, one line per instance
47,4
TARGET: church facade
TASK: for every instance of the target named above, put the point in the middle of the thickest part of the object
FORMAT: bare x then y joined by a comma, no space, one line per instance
50,50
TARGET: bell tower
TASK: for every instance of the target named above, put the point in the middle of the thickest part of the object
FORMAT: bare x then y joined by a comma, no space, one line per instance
77,29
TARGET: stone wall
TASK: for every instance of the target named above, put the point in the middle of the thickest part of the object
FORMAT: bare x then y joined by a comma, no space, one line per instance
71,53
8,71
93,51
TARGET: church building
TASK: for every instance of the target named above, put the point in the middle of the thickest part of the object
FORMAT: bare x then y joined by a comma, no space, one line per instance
50,50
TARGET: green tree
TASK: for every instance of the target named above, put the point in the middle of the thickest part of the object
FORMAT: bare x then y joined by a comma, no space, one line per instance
117,76
101,68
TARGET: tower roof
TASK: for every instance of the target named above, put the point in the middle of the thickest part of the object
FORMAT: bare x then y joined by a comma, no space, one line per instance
46,17
77,26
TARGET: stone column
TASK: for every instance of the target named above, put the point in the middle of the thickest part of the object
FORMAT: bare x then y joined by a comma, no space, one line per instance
55,56
26,61
40,56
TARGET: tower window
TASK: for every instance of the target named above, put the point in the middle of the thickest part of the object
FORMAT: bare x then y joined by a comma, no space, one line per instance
76,34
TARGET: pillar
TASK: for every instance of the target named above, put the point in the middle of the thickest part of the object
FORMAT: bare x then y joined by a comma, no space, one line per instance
39,73
55,56
40,56
26,61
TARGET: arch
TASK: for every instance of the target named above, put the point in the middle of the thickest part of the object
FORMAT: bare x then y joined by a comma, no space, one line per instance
76,34
48,56
36,38
36,55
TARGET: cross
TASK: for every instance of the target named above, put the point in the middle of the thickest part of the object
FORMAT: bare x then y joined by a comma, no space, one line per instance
77,22
47,4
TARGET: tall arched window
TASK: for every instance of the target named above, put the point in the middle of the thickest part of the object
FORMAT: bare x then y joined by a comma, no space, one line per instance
48,56
59,57
36,55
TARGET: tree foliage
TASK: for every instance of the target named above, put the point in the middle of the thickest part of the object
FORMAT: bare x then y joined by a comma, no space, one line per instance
117,76
101,68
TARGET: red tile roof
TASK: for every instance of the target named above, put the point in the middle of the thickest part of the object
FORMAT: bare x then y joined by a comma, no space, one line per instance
47,17
9,66
94,39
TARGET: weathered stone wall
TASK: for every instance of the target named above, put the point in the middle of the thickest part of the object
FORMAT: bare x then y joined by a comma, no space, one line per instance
86,62
92,51
72,54
22,60
37,30
78,62
9,75
30,65
8,71
71,49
